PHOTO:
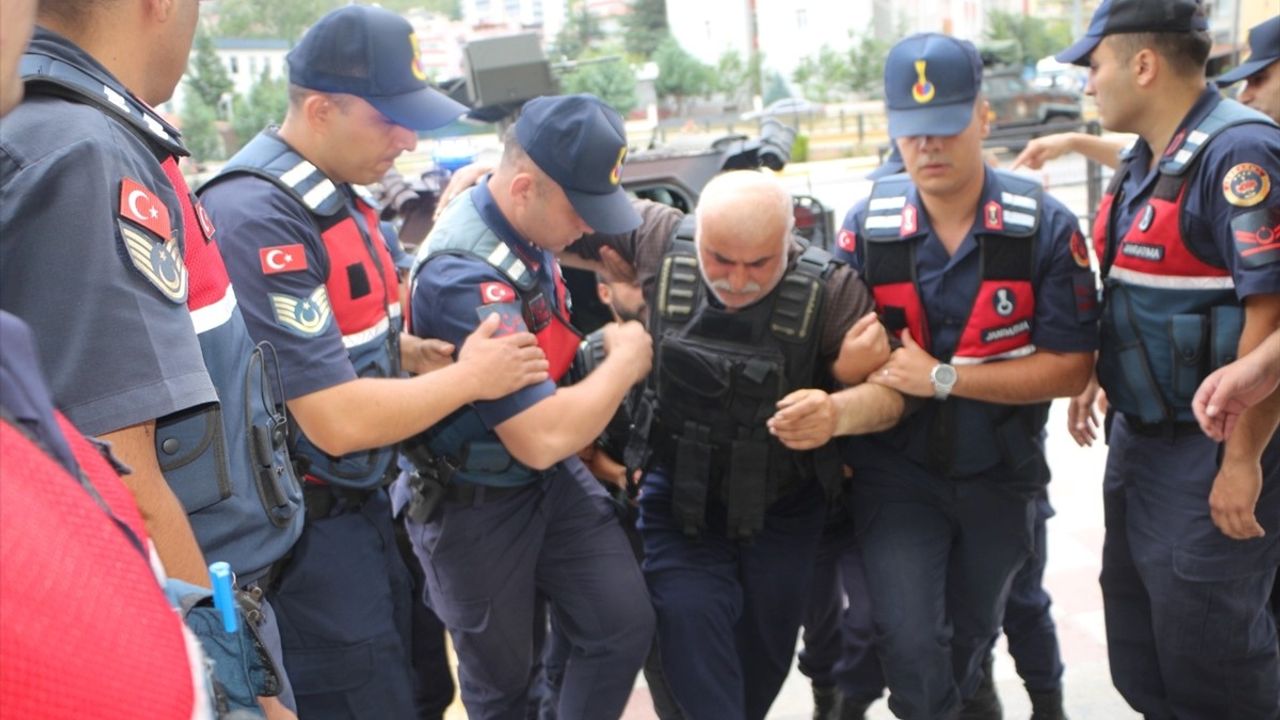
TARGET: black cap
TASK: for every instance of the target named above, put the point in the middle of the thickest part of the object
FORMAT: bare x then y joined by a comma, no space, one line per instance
371,53
1264,49
1135,16
580,143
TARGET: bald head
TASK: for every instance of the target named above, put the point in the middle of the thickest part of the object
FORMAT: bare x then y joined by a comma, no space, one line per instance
744,225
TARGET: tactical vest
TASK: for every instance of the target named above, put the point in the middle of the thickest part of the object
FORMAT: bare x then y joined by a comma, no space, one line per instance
227,462
718,376
462,440
361,287
1170,315
1000,322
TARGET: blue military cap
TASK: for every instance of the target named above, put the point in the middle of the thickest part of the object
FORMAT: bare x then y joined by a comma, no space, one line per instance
930,84
1264,49
580,143
1114,17
371,53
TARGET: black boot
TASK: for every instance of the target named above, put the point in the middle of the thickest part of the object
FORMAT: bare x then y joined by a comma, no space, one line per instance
985,704
826,702
853,709
1047,705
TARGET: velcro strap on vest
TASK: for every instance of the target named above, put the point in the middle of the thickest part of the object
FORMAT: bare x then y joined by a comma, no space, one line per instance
747,491
690,476
800,296
679,284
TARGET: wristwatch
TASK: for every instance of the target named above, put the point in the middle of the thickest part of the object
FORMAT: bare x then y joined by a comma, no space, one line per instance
943,377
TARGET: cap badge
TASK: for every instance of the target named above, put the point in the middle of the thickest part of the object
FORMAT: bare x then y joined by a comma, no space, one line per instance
416,66
615,176
923,90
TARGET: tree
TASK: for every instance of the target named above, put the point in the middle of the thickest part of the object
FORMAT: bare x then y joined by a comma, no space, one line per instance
612,80
645,27
284,19
265,105
776,89
680,75
1038,37
580,29
200,130
866,64
732,78
207,77
822,74
449,8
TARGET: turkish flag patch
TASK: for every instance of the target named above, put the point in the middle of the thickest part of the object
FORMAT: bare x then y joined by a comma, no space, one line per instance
496,292
143,207
282,258
847,240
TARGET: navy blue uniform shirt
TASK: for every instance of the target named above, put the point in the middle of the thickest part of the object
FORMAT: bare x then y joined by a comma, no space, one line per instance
25,396
1206,210
254,215
116,348
948,285
449,299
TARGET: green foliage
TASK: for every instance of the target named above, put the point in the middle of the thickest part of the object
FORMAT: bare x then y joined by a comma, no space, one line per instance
776,89
265,105
580,30
1037,37
680,75
800,149
449,8
645,27
285,19
206,76
822,75
200,130
866,64
610,80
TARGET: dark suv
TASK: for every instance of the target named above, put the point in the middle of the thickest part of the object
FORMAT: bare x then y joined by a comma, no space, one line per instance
1020,109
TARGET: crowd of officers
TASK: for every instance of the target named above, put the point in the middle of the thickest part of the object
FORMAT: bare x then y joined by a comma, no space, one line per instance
386,448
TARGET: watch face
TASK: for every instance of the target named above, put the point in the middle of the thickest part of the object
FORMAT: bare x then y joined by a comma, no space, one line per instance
944,375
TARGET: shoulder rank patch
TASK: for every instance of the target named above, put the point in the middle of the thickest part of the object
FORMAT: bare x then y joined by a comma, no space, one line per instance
1079,251
305,317
1257,236
496,292
159,262
1246,185
510,315
282,258
140,205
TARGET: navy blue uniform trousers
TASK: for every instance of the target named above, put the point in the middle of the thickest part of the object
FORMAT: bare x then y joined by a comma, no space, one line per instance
1028,624
839,648
940,555
728,612
485,563
1189,631
344,608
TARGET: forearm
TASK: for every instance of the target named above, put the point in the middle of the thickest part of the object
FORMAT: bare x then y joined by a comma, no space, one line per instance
572,418
867,408
368,413
1257,425
853,368
165,519
1098,149
1039,377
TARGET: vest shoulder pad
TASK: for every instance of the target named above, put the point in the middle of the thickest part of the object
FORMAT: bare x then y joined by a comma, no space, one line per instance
679,280
1018,212
462,232
1228,113
885,207
799,299
269,158
45,75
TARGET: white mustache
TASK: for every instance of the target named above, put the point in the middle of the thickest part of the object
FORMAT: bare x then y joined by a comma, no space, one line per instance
724,286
